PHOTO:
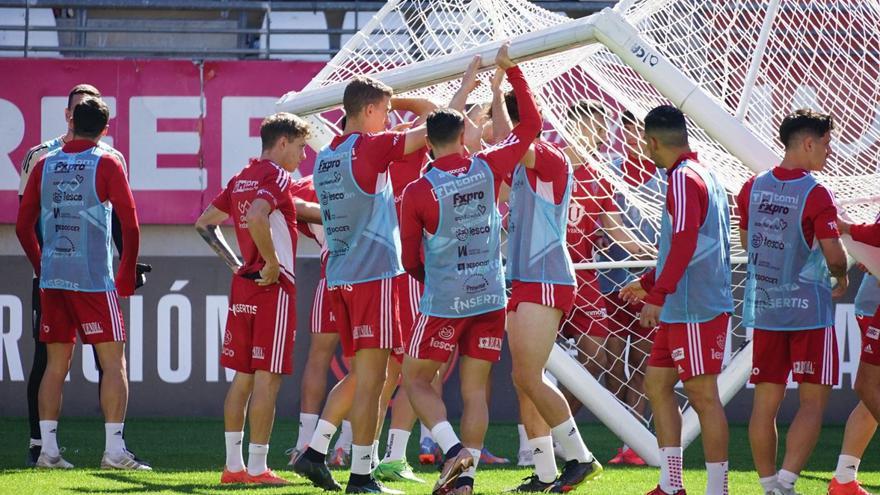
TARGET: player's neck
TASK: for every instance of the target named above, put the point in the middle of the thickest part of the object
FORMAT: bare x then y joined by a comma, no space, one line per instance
792,162
74,137
353,126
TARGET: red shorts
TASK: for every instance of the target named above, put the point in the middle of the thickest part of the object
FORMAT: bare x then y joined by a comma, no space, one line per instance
870,340
693,349
478,337
260,327
367,316
556,296
94,315
623,318
590,315
809,355
323,320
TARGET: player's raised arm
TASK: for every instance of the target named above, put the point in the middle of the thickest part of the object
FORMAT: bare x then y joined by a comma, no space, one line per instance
414,138
469,83
501,125
506,154
208,226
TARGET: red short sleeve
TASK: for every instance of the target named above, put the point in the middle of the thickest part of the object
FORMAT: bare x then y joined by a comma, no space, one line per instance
223,201
742,203
822,212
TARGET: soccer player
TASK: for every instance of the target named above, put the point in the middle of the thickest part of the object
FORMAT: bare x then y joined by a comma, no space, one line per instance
593,214
357,203
452,212
260,327
861,425
640,173
788,224
71,193
543,291
689,295
38,367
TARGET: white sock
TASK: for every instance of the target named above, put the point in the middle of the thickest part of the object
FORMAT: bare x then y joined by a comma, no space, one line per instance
716,474
324,432
787,479
444,435
307,424
35,442
344,440
113,441
670,469
542,455
375,454
424,432
573,445
768,483
523,437
48,432
257,454
395,450
471,472
361,459
624,448
234,460
847,468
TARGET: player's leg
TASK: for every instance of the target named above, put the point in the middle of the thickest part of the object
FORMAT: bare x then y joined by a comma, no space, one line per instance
429,451
660,383
539,441
38,367
273,332
234,414
323,340
532,334
322,347
50,397
702,392
771,365
817,349
860,428
475,374
867,384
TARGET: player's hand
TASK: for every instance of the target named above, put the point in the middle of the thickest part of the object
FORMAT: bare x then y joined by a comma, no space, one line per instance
633,292
473,135
403,126
502,60
649,317
269,274
497,80
843,226
469,81
141,269
840,289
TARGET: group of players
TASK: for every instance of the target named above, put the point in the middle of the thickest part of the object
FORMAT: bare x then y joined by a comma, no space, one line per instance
396,227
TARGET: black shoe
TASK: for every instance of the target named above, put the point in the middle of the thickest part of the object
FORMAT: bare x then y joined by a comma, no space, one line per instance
532,484
317,472
574,473
33,455
372,486
139,460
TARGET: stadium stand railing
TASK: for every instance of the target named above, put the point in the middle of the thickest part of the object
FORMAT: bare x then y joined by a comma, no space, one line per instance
198,29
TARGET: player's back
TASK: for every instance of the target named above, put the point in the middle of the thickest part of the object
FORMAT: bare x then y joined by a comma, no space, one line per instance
262,179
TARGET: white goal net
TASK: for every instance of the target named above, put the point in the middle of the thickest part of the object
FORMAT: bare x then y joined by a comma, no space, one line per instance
734,67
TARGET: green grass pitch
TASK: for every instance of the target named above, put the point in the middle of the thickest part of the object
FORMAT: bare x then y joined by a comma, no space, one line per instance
187,455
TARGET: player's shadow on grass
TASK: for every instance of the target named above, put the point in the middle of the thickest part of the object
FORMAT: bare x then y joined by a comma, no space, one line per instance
147,486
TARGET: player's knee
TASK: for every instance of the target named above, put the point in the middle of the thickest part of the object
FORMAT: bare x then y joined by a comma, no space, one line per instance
703,400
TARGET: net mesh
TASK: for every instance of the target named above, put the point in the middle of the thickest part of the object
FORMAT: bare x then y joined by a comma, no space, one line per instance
821,54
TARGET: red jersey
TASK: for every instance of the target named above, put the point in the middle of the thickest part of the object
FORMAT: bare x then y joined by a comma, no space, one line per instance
687,201
591,196
637,170
262,179
304,189
111,185
819,218
407,169
372,155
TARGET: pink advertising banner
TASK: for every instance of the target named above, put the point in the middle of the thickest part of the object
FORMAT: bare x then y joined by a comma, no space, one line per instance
181,148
